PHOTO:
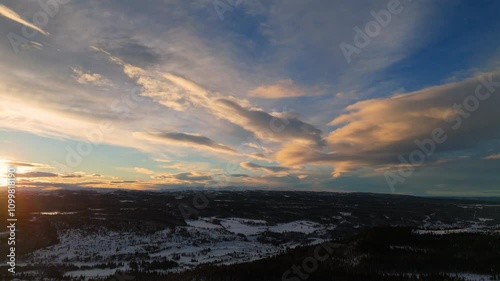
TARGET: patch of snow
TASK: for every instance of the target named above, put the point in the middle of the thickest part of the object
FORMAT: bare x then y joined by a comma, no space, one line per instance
91,272
306,227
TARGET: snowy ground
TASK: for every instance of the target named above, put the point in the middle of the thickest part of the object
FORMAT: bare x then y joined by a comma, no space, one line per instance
438,228
223,241
253,227
473,277
205,240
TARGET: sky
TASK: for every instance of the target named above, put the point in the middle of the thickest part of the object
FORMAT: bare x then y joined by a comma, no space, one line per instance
325,95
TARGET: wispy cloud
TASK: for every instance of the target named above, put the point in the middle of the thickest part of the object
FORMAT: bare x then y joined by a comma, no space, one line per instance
37,175
26,164
192,178
90,78
143,171
283,89
256,167
186,139
271,127
208,91
10,14
493,157
179,93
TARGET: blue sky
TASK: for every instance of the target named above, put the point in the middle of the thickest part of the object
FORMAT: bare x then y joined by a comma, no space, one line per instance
162,94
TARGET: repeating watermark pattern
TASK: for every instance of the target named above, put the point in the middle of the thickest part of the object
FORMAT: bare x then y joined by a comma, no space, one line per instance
222,6
49,9
363,37
11,219
309,265
455,117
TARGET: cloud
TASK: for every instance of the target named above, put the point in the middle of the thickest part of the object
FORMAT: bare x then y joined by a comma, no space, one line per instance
377,131
256,167
87,185
297,30
187,166
70,176
493,157
10,14
25,164
31,45
157,86
184,95
188,177
42,107
51,188
192,140
90,78
131,50
179,93
277,127
38,175
239,175
143,171
282,89
189,78
116,182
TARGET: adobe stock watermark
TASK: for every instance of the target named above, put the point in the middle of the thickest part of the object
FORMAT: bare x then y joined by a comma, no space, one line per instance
223,6
363,37
427,147
49,9
309,265
11,219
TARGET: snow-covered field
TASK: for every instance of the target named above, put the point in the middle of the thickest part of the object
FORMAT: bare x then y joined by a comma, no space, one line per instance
465,276
253,227
92,272
473,277
223,241
438,228
205,240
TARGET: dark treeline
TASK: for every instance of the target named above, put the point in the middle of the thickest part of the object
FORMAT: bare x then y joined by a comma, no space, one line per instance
377,254
382,253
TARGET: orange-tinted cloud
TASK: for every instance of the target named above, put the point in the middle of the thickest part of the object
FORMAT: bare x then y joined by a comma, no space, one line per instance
375,132
10,14
282,89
